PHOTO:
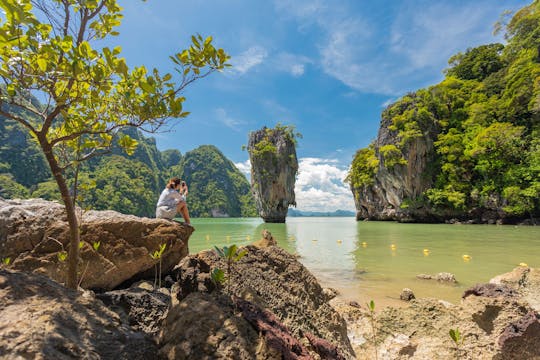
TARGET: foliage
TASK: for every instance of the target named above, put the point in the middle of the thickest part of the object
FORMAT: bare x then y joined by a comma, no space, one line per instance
47,50
218,276
157,255
364,167
6,261
10,189
231,254
483,120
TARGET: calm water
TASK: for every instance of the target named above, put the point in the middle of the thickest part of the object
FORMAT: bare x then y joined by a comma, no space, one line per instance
375,260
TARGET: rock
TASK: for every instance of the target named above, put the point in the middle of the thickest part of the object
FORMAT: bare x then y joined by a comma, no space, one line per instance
407,294
266,240
521,339
34,231
526,281
441,277
490,290
274,167
205,326
43,320
142,309
325,349
330,293
271,279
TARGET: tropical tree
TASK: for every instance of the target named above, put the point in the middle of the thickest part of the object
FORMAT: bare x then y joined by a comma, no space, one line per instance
88,92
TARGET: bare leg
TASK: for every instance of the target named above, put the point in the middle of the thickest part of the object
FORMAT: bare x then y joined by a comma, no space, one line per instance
182,209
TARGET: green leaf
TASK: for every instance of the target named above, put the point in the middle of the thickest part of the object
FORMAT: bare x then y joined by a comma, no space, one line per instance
42,64
10,88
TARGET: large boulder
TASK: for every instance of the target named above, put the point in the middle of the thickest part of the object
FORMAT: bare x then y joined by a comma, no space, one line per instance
282,293
43,320
274,166
33,232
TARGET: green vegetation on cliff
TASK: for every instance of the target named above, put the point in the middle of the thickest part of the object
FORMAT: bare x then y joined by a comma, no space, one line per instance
486,116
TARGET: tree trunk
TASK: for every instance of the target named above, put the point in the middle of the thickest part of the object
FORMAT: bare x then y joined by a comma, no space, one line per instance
73,253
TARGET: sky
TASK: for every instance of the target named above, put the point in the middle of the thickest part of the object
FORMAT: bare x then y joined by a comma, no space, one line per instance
328,67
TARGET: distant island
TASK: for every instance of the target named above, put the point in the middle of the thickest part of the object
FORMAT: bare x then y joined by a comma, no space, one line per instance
337,213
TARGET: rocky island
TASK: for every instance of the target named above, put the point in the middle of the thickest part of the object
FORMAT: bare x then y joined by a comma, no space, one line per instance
272,153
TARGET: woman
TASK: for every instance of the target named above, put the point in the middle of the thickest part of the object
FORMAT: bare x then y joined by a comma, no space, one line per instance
172,201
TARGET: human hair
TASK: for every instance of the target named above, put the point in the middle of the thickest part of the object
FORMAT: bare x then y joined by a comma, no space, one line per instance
173,183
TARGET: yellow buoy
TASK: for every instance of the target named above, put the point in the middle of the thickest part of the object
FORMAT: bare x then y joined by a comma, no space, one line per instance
523,264
207,237
393,247
339,241
364,244
426,252
314,240
466,257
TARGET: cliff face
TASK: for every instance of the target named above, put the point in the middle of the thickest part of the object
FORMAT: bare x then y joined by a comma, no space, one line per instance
274,165
397,180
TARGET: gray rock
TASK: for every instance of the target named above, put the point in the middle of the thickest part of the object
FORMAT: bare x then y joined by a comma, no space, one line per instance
444,277
34,231
407,294
273,172
43,320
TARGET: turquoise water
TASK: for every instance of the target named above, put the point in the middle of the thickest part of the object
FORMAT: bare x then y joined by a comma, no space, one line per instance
376,260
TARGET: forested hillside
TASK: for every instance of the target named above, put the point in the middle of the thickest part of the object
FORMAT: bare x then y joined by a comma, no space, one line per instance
466,148
129,184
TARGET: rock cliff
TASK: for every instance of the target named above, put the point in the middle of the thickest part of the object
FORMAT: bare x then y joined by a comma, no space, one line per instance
400,175
114,247
274,166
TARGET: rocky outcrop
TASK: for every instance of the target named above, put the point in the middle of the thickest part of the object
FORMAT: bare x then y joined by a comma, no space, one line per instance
274,166
273,283
496,321
114,247
43,320
394,183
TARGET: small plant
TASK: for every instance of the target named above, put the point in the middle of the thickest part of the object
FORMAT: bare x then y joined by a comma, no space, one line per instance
81,244
6,261
230,254
96,245
457,337
371,308
218,276
156,255
62,256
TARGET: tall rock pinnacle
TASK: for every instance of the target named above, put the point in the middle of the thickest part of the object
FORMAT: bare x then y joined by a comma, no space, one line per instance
274,166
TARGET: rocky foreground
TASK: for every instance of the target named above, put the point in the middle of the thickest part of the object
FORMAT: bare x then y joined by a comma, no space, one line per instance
499,320
269,306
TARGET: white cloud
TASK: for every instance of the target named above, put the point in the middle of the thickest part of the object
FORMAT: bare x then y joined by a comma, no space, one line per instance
244,167
228,121
250,58
320,186
392,57
291,63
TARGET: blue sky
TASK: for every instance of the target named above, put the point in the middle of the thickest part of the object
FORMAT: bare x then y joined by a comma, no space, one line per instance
327,67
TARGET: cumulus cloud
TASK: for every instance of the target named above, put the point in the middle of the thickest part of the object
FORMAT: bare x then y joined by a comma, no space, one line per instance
244,167
247,60
320,186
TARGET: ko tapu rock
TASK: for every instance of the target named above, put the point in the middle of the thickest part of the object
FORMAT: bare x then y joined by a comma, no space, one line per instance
274,166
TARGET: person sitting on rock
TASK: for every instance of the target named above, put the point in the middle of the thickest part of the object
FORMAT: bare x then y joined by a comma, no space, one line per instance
172,201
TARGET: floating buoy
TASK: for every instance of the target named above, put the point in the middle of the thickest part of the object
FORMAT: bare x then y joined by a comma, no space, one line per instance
291,237
314,240
426,252
364,244
393,247
523,264
466,257
339,241
207,237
